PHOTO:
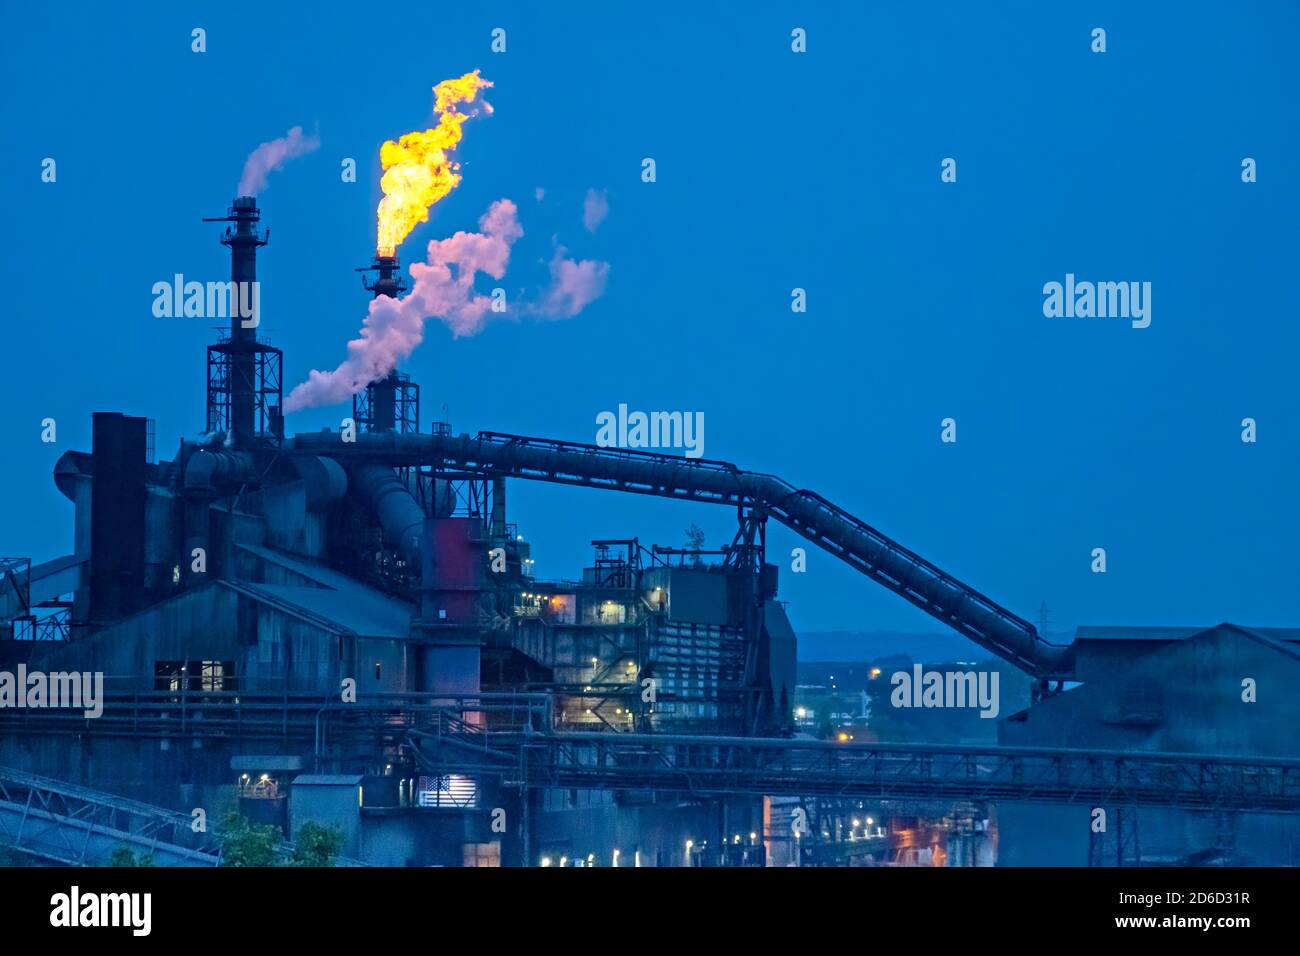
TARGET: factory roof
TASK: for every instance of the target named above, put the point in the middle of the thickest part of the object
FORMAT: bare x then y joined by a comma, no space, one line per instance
337,601
1108,632
356,610
321,574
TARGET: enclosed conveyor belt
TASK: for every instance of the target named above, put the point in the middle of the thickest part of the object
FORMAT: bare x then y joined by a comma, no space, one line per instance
855,542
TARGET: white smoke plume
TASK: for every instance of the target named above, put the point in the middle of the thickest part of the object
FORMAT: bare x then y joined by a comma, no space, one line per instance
575,284
271,156
443,288
595,207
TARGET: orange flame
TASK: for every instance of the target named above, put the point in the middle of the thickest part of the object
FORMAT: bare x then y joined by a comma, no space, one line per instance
417,169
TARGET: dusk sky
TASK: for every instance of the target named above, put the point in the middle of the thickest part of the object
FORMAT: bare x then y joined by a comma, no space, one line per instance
775,170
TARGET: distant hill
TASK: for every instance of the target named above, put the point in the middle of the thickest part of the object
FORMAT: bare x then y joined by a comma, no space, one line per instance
868,645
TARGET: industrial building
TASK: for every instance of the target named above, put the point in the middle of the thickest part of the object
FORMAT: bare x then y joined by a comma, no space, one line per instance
345,627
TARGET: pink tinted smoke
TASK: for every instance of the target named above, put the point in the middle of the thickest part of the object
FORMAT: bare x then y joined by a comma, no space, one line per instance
271,156
595,207
443,288
575,284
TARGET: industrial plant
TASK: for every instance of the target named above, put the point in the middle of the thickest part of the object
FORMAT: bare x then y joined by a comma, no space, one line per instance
345,628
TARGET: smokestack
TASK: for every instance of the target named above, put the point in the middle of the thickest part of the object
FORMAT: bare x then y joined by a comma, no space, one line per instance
498,529
383,392
243,238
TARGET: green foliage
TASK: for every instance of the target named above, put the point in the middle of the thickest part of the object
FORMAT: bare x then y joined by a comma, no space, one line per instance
244,843
123,856
316,845
695,542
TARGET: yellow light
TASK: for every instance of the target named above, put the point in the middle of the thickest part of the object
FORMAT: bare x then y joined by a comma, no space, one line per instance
856,824
563,860
689,844
801,713
546,861
844,738
870,821
753,838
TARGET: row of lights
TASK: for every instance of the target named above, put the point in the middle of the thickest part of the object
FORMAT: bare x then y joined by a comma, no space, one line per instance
591,860
591,857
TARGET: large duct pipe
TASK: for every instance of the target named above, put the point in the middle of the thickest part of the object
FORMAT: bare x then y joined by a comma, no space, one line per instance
399,514
324,481
853,541
214,473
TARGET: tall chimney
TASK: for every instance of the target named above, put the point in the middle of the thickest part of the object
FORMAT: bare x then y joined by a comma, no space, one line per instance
243,238
383,392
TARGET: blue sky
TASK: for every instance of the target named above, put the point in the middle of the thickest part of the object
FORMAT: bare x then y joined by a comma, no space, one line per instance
775,171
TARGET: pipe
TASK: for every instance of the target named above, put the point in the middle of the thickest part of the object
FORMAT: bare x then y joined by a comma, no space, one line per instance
324,481
391,502
889,563
217,472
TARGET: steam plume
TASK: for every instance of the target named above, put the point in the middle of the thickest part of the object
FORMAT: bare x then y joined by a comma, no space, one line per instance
271,156
443,288
595,207
575,284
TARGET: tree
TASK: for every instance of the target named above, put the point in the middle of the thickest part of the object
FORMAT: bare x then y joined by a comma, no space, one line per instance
695,542
124,856
316,845
244,843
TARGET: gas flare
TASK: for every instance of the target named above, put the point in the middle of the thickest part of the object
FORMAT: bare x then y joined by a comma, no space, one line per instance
417,169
